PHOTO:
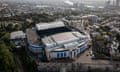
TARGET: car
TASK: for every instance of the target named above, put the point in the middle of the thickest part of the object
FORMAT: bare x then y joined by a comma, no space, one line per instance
18,46
87,55
93,56
91,53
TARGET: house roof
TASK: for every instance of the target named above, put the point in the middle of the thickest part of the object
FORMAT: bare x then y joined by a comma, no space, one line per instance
17,34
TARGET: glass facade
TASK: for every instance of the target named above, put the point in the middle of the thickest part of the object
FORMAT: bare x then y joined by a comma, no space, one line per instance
61,54
64,54
58,55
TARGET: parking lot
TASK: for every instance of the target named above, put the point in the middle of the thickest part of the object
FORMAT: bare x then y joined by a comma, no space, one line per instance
86,57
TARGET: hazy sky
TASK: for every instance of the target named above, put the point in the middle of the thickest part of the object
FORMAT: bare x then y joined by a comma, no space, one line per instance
50,1
58,0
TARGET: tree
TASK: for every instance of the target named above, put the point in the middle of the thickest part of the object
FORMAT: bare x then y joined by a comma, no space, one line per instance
9,28
6,37
118,37
28,63
12,46
106,28
17,27
107,69
89,69
7,63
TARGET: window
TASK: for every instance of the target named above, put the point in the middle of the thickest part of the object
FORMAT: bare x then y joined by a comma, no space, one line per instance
58,55
61,54
74,53
64,54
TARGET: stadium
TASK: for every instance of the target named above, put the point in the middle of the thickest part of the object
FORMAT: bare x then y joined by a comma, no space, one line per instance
55,40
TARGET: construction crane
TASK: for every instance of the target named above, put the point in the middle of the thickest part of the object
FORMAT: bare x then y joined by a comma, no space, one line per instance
108,3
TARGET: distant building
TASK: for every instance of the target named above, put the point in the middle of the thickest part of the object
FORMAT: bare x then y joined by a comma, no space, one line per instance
115,31
95,34
80,21
114,48
93,18
117,3
56,41
103,44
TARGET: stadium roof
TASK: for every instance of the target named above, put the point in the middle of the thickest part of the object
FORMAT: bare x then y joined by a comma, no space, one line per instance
48,32
44,26
32,37
61,38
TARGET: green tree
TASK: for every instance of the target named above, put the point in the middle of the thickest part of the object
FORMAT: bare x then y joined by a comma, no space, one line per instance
7,63
118,37
28,63
6,38
12,46
9,28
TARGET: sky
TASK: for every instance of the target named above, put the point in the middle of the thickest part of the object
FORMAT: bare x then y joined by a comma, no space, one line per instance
60,1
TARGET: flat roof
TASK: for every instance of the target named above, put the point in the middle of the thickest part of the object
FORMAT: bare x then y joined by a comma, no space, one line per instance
77,34
17,34
60,50
89,16
48,41
32,37
44,26
64,37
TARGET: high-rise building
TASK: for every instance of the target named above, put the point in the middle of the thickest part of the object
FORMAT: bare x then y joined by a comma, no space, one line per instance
117,3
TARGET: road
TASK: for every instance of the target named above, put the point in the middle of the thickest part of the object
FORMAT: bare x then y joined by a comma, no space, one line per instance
19,62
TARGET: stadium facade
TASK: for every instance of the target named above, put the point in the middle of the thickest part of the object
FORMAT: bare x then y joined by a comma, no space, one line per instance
56,40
